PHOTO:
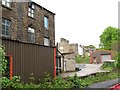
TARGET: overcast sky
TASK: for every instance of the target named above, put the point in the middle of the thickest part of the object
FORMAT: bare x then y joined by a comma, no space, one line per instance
82,21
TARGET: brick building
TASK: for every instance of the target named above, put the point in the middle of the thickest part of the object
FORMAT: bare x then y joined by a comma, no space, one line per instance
28,34
99,56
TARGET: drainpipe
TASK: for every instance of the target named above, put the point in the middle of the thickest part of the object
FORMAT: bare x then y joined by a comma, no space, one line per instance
63,63
57,58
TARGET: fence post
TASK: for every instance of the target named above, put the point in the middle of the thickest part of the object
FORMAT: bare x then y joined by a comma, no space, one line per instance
11,67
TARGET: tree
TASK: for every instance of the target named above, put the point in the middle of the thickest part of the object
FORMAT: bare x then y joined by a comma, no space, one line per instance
108,37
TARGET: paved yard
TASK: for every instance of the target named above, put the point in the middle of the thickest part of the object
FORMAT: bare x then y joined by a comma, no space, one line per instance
87,70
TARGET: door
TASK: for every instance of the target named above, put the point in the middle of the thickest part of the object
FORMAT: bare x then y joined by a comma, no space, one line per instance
105,57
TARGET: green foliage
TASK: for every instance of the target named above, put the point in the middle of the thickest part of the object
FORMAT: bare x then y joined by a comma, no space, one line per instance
98,78
47,82
117,58
75,80
59,82
14,83
90,46
32,79
109,66
109,35
3,61
82,59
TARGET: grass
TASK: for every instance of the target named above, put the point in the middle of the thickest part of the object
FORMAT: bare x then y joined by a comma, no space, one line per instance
99,78
85,60
109,66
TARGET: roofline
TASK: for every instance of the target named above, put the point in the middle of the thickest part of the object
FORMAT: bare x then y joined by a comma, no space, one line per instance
43,7
102,50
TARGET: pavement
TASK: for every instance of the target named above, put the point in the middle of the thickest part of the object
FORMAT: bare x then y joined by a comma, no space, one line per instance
86,71
105,84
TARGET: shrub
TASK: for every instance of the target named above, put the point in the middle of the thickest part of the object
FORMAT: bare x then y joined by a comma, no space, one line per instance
82,59
3,61
13,83
75,81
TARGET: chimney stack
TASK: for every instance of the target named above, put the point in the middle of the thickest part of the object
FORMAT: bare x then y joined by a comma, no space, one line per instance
67,41
63,40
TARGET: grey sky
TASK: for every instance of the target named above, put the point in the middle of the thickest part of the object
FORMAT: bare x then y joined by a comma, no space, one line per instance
82,21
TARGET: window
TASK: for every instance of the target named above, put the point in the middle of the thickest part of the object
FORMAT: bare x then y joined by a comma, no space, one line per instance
5,27
6,3
46,22
31,35
46,41
31,10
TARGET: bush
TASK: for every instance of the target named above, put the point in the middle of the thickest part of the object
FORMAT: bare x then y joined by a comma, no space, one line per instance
76,81
108,66
117,58
118,61
82,59
68,83
3,61
13,83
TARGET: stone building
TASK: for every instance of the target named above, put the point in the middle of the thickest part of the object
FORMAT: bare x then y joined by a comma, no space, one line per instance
28,22
65,47
28,35
87,50
69,51
75,48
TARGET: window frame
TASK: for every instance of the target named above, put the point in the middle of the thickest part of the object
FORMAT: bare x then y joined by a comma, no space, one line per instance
31,35
5,27
6,3
31,10
46,22
48,42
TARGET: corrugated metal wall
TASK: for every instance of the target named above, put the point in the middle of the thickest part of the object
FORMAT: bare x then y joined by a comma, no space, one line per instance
30,58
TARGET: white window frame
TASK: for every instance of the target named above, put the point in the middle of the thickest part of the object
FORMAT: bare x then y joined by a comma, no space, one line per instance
31,31
46,41
46,22
6,24
6,3
31,10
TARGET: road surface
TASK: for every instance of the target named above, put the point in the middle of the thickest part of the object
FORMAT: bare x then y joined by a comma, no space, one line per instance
105,84
87,70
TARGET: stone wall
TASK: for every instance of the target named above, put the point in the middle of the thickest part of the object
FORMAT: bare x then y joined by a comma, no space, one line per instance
20,21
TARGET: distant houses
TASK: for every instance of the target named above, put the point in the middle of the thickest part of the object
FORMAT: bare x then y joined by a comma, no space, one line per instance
69,51
87,50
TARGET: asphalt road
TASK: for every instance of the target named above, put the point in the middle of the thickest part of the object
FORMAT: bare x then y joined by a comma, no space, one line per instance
105,84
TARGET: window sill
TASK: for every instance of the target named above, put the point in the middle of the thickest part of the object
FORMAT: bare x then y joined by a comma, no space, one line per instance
46,29
31,42
32,17
4,36
7,7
